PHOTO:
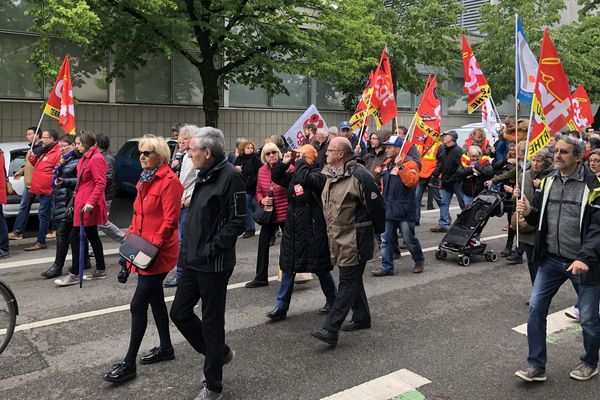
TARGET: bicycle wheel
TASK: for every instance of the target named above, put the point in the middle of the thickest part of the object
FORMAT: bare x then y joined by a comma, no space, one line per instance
8,315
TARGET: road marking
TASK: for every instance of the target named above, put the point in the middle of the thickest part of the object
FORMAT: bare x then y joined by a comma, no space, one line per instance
383,388
110,310
437,210
556,322
36,261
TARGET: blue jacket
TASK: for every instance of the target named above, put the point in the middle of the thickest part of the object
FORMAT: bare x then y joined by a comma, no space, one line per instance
399,186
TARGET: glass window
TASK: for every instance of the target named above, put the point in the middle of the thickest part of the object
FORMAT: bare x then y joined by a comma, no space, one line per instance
507,107
297,85
12,15
16,72
88,77
404,99
149,84
187,83
243,96
457,105
328,98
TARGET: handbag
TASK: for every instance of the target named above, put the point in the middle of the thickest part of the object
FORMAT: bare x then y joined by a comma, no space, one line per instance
262,216
70,208
138,251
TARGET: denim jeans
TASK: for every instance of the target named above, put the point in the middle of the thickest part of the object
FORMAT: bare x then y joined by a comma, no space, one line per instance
287,287
44,217
24,210
551,274
185,212
433,192
468,200
3,232
389,237
445,220
251,208
589,297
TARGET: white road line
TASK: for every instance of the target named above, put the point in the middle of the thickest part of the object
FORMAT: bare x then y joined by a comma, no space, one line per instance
36,261
437,210
95,313
383,388
556,322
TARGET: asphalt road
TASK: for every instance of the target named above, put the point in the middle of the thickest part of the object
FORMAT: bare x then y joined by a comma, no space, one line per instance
451,325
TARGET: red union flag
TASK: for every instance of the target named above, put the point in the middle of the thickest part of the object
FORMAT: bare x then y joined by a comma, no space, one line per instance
476,85
551,98
60,103
383,91
358,118
581,109
427,117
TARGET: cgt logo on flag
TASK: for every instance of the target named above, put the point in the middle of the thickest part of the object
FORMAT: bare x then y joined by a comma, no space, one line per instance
582,110
61,105
476,85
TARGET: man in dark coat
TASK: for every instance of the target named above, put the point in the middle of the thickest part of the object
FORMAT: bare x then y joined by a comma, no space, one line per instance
217,217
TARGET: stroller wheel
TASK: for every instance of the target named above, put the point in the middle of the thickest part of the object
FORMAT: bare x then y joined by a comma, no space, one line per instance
443,254
491,256
464,260
438,254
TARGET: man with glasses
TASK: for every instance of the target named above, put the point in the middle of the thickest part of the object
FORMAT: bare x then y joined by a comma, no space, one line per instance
353,208
566,212
41,180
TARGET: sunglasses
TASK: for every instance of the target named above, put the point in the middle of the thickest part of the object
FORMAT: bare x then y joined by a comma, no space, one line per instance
270,153
146,154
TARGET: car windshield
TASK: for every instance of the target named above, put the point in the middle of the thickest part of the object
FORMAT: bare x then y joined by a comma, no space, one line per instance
17,160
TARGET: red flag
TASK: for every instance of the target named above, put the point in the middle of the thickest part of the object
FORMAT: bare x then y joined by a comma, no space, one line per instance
361,113
551,98
383,90
60,103
427,117
581,110
476,85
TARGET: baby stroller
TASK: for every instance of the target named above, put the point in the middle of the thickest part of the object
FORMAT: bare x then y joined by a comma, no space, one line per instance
462,237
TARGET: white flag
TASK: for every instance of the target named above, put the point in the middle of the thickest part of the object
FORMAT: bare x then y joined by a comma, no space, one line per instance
295,135
488,119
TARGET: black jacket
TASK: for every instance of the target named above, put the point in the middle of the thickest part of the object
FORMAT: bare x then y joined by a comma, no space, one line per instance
450,161
62,195
590,225
111,176
217,217
250,164
304,242
472,185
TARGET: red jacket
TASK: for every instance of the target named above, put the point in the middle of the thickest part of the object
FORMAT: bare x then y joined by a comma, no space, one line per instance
280,200
156,218
3,179
91,182
42,171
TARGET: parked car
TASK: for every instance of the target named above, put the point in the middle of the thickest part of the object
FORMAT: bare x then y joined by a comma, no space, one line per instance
14,157
128,165
465,130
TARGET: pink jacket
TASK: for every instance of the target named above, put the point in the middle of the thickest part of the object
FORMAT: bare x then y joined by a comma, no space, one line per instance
280,200
91,177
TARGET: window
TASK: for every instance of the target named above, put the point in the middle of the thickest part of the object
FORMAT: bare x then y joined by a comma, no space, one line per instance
12,15
149,84
243,96
328,98
187,84
456,105
404,100
298,87
16,72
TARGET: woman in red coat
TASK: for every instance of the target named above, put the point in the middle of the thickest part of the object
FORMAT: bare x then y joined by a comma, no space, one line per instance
89,202
3,195
155,218
268,194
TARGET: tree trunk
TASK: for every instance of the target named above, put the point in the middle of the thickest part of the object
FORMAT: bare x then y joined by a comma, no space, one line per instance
211,100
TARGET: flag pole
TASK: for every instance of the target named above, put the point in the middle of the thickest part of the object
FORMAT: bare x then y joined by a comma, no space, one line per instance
408,133
516,122
36,131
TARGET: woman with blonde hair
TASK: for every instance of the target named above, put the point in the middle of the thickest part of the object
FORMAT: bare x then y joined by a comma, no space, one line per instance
156,219
248,163
270,196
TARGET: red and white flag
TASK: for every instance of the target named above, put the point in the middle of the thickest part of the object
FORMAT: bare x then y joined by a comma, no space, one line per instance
61,105
581,110
476,85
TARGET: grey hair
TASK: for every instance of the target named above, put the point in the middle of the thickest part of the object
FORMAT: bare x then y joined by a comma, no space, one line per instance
321,131
333,131
187,130
239,141
475,150
577,145
210,138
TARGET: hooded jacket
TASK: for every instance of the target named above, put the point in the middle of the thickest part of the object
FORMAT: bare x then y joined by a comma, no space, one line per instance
399,186
353,208
64,192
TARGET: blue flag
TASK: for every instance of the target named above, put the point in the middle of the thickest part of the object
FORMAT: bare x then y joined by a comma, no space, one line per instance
526,64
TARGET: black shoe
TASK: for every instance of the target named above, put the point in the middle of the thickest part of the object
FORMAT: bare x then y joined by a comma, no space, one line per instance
382,272
355,326
326,336
248,234
277,314
157,355
507,251
255,283
438,229
4,254
515,258
324,310
53,272
120,373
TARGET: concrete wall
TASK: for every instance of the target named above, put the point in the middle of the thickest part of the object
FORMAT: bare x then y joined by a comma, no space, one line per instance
126,121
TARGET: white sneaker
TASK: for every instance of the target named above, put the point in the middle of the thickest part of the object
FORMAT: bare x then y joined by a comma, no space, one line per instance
97,274
573,313
67,280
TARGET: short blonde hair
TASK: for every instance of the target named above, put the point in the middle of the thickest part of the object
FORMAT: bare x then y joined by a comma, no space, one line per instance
158,145
267,148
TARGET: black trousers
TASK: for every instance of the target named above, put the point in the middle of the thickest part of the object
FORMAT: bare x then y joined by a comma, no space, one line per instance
206,335
351,294
91,233
63,232
262,258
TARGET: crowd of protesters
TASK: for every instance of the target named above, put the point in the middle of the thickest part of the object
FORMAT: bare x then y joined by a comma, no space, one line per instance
195,203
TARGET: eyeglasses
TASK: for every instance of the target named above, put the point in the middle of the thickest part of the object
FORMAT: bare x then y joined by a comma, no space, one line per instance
594,161
270,153
563,152
146,154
